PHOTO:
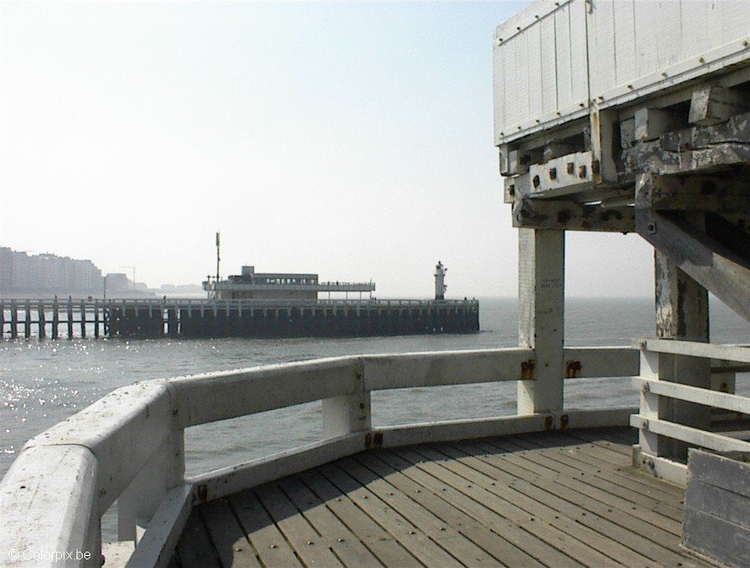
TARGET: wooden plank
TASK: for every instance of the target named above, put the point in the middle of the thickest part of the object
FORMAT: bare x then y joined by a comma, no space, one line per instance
591,487
439,529
719,503
569,215
598,475
342,541
594,499
265,537
377,540
726,473
720,194
737,353
309,546
629,531
486,476
623,474
618,440
491,506
391,520
227,536
514,533
716,538
568,503
707,397
714,104
690,435
716,268
494,544
470,503
195,548
541,278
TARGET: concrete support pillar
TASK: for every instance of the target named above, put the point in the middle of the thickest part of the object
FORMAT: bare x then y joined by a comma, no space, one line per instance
541,281
681,313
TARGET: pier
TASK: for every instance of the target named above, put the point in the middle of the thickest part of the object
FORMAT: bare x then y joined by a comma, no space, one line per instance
155,318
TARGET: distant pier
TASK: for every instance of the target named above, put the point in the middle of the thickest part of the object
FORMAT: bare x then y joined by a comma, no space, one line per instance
155,318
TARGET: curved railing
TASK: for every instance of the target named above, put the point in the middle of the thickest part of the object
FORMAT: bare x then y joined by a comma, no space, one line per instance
129,446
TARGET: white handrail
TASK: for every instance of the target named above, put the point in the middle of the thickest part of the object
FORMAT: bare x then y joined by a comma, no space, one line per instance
655,422
128,446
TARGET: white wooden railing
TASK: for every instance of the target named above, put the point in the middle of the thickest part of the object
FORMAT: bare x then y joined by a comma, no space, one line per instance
128,447
657,431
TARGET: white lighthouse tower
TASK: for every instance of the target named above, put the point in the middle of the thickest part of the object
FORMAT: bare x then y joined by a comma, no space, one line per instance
440,286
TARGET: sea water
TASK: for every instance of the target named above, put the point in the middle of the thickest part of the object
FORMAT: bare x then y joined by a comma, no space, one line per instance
45,381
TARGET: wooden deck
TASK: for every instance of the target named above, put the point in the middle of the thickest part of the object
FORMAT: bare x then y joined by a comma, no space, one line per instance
546,499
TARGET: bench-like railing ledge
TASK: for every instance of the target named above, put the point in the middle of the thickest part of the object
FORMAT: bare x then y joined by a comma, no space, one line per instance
129,446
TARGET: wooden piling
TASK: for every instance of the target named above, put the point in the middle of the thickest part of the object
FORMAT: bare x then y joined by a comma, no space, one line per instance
27,320
83,319
13,319
55,318
41,319
96,319
70,318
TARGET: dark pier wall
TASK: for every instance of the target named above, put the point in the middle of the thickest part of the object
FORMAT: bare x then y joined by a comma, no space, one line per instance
327,321
235,318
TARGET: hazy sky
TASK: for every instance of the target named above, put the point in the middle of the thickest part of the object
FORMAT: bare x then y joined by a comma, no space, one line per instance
349,139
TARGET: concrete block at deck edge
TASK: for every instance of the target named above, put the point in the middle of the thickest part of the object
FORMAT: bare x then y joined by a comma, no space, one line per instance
716,520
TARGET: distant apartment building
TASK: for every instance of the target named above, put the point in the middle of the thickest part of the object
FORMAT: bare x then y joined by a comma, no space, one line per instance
21,273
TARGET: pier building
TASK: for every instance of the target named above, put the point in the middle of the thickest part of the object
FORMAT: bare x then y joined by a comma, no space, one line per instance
249,285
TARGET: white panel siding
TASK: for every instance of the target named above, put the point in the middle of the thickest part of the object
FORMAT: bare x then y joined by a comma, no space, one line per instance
551,58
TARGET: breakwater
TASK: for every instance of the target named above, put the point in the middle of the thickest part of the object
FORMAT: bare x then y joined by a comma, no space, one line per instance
154,318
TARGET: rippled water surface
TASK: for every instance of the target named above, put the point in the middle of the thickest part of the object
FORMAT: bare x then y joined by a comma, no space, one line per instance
44,381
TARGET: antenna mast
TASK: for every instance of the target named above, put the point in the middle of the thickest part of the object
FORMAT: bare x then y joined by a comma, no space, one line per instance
218,256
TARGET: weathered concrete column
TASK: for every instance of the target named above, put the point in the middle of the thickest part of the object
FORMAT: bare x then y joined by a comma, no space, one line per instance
541,295
681,313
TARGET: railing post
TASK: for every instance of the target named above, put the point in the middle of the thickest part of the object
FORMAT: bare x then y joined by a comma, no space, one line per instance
541,294
137,504
349,413
649,402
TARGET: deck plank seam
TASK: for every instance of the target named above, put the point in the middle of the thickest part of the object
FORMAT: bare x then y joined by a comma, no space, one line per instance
351,502
549,514
624,522
537,552
467,526
412,529
575,550
616,485
293,489
420,509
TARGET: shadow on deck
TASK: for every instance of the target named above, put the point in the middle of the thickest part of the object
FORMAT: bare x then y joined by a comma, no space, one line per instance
545,499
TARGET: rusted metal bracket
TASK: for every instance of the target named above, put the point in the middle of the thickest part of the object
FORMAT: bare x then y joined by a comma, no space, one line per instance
373,440
573,369
527,370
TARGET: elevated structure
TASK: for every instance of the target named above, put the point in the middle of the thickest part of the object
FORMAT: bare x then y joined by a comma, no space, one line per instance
251,285
596,132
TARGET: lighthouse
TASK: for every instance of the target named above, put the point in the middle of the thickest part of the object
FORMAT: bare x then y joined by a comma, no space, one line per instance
440,286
